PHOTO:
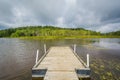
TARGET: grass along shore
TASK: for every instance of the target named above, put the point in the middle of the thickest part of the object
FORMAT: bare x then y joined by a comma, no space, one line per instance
64,37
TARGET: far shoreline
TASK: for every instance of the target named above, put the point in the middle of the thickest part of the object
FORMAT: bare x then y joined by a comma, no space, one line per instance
63,37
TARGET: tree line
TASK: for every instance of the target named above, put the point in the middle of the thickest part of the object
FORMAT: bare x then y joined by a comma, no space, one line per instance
50,31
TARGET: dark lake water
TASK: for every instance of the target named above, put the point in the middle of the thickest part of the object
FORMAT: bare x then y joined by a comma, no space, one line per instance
17,57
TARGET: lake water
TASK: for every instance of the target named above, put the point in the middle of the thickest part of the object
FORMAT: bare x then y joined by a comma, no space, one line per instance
17,57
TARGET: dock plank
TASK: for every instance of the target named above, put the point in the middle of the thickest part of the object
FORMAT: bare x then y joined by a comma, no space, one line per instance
60,63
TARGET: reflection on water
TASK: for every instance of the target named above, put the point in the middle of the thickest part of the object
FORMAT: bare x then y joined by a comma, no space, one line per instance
17,57
108,43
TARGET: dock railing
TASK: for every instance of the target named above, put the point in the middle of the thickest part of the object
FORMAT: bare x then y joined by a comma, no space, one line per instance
87,56
37,61
82,72
45,53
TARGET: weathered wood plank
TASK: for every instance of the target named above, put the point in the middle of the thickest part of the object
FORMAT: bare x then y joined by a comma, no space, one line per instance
60,63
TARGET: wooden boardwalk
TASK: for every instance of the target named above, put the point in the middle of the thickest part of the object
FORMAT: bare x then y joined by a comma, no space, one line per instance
60,64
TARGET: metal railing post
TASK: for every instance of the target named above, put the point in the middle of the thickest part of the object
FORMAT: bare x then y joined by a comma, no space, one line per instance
37,56
45,48
87,60
74,48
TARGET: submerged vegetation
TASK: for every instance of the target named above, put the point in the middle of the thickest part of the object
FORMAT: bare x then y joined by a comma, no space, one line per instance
50,32
103,63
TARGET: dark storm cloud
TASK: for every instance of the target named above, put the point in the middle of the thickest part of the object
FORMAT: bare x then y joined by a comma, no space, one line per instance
99,15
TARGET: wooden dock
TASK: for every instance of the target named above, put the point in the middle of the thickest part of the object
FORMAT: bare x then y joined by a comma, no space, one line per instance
60,63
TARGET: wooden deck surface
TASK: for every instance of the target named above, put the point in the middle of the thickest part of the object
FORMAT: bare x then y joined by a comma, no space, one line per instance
60,63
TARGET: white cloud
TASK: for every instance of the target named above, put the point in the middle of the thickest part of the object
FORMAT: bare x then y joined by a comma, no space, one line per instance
60,21
61,12
109,27
71,2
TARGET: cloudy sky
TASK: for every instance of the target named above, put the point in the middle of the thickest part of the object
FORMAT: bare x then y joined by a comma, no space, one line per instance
98,15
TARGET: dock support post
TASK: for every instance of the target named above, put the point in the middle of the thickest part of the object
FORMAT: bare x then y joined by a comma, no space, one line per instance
87,60
45,48
37,56
74,48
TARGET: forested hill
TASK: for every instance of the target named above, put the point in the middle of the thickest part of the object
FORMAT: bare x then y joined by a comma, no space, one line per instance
45,31
117,33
